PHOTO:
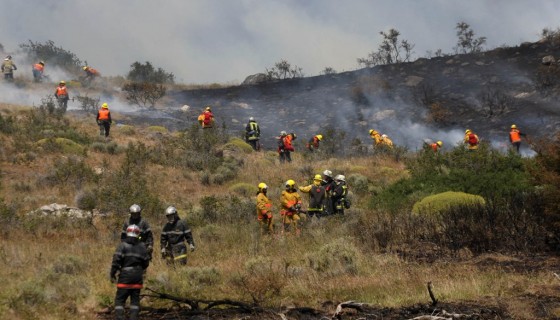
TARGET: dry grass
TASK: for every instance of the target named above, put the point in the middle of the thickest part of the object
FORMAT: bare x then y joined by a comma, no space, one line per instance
59,269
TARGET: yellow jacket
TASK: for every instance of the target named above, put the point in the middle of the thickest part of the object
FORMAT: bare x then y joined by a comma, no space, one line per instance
287,200
376,137
263,206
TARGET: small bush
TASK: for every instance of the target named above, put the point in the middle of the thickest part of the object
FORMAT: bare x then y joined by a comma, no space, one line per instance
441,202
260,279
127,130
358,182
335,258
243,189
158,129
71,265
61,145
239,144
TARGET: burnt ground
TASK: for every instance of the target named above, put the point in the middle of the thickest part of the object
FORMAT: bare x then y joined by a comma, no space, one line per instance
537,304
390,98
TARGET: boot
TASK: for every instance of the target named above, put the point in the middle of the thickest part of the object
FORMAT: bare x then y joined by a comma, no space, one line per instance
134,313
119,313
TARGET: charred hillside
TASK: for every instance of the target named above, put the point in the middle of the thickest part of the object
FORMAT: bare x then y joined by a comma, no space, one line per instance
427,98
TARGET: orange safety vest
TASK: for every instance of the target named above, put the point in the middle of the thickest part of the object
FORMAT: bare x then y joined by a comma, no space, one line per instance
39,67
103,114
514,136
435,146
61,90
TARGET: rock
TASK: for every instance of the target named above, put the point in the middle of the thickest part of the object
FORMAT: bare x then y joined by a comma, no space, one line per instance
185,108
548,60
61,210
255,79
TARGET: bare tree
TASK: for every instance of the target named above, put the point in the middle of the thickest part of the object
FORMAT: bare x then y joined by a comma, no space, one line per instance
390,51
144,95
466,42
283,70
328,70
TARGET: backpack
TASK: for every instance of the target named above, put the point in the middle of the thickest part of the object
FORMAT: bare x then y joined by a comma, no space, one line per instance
472,139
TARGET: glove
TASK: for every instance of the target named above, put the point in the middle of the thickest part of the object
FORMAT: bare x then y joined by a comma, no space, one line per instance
192,247
98,122
113,278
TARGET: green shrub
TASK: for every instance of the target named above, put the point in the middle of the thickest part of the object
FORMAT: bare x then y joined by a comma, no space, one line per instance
243,189
358,183
69,171
239,144
126,130
159,129
71,265
61,145
260,279
335,258
441,202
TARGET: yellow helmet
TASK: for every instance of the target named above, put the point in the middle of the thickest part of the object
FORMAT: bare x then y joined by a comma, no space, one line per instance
318,177
513,126
439,143
468,131
290,183
319,137
262,186
105,105
208,108
62,82
371,131
85,68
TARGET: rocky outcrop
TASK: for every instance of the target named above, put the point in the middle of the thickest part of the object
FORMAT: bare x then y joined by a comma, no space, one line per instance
62,210
255,79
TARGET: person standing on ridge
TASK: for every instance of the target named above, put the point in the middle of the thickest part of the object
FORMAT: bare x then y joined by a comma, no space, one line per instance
515,137
173,237
146,235
129,264
471,140
104,120
253,134
38,70
8,67
317,197
264,207
314,142
290,202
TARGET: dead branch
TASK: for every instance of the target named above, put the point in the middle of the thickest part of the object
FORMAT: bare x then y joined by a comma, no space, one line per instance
432,296
556,275
349,304
444,315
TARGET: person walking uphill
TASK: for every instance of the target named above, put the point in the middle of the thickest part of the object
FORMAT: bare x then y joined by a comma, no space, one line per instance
285,147
290,201
104,120
173,237
515,137
253,134
206,118
8,67
146,235
471,140
317,197
264,213
314,142
129,265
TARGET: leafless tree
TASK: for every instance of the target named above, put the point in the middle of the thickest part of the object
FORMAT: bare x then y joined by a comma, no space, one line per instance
466,42
390,51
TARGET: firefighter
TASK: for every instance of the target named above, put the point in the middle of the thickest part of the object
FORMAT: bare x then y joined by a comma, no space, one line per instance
38,70
91,74
313,143
515,137
8,67
146,235
436,146
317,197
104,120
339,194
376,137
328,183
290,202
471,140
61,94
253,134
285,147
206,118
264,207
130,261
386,141
173,237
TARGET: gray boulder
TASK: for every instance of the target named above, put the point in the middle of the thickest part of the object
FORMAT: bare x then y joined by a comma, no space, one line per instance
255,79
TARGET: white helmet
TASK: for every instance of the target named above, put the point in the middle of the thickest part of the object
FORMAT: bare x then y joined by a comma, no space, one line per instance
340,177
251,119
170,210
383,136
135,209
133,231
327,173
283,133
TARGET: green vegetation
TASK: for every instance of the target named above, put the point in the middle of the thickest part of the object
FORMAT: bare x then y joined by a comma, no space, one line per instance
441,202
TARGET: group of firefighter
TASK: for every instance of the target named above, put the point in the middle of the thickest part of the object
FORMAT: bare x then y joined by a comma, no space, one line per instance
327,196
134,253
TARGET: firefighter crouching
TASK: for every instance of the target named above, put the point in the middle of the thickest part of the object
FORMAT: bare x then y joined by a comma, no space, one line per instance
173,237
